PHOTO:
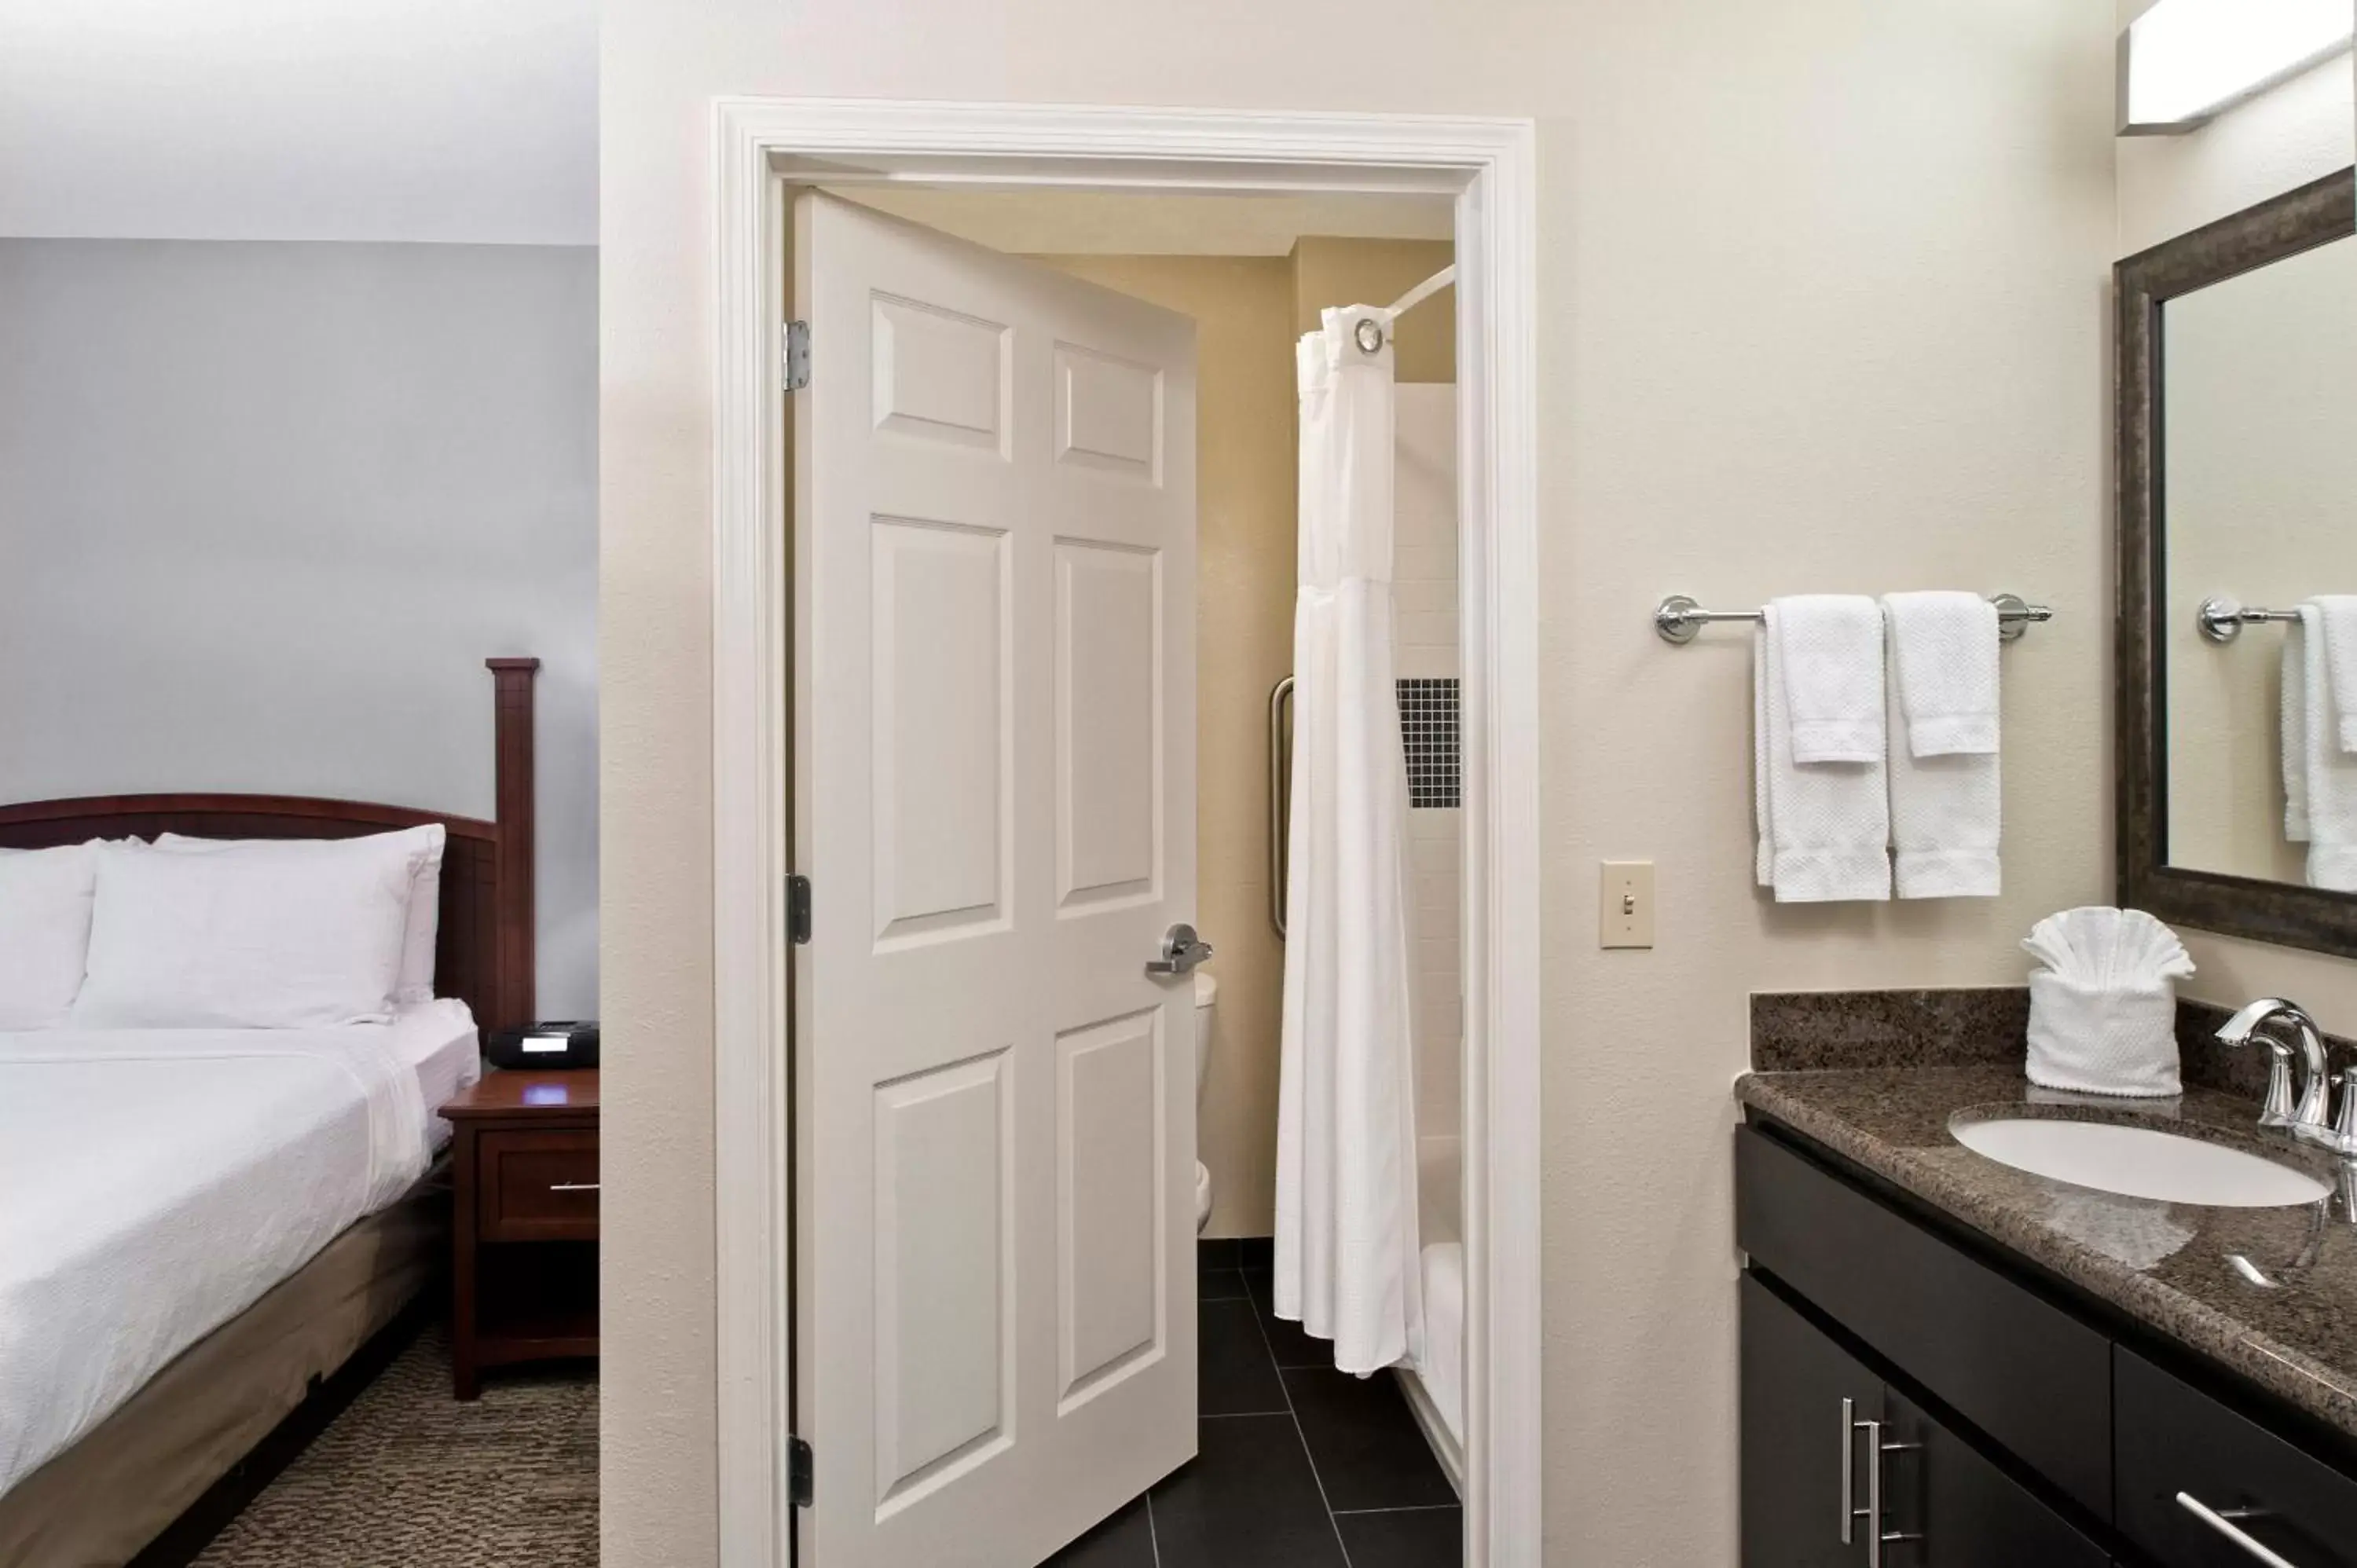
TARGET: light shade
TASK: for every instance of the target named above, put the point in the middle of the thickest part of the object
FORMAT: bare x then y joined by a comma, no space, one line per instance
2184,60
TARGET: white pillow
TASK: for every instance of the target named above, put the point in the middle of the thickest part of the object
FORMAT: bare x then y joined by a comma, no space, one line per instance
244,941
44,902
422,847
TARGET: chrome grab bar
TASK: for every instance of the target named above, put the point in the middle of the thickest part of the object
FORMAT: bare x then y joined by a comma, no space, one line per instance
1280,797
2223,1521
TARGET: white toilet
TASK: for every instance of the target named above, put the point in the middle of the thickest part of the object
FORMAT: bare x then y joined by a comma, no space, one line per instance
1207,999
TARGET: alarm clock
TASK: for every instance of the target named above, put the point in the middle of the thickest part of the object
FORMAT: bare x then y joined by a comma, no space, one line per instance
564,1044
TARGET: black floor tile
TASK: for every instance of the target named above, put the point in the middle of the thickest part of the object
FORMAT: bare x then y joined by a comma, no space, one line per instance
1249,1501
1287,1341
1255,1251
1410,1538
1216,1254
1236,1376
1124,1540
1367,1447
1220,1284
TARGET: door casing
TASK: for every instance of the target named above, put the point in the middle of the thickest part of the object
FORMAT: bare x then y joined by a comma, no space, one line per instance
1487,166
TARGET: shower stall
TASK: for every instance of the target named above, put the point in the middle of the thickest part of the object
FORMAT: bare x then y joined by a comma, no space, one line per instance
1366,874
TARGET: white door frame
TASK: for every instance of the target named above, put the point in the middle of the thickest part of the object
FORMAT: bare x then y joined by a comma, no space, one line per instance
1487,166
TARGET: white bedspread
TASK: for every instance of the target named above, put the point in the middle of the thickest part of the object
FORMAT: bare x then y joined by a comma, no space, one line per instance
154,1184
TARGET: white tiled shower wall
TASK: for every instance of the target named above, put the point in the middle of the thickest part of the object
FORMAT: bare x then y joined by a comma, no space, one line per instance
1425,588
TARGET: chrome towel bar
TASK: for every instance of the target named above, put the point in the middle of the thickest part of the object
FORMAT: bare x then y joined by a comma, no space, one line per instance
1678,619
2223,620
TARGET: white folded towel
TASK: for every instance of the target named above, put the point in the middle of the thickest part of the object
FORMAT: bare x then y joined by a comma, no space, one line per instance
2339,614
2103,1012
1825,827
2319,779
1943,664
1830,650
1946,808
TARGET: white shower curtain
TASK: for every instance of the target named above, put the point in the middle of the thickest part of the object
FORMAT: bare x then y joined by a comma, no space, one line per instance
1347,1265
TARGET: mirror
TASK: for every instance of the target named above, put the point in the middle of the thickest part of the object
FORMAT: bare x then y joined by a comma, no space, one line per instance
2238,505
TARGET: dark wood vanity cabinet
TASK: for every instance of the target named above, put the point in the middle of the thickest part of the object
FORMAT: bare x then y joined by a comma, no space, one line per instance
1810,1455
2022,1432
2181,1450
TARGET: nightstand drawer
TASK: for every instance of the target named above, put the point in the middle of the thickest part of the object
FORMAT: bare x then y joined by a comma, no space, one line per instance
537,1185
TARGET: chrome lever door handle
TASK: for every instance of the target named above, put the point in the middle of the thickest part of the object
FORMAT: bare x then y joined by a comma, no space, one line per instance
2223,1521
1182,951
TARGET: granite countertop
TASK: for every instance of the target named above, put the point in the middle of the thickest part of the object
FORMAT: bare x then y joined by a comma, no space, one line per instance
2270,1293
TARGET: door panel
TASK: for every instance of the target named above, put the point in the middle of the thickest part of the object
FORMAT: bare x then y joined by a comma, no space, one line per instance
942,725
993,792
942,1229
1112,1196
1108,725
1795,1441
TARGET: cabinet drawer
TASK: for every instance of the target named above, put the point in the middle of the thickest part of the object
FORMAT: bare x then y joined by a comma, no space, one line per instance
2033,1377
2173,1439
537,1185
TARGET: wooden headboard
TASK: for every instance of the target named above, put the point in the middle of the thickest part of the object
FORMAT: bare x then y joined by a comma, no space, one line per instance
484,954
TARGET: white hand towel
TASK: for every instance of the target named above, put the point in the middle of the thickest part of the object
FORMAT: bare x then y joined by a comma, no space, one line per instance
2103,1012
1830,650
1945,810
1826,826
2326,775
1943,667
2340,612
2292,704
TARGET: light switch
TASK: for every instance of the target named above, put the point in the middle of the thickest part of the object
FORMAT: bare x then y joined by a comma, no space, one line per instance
1625,908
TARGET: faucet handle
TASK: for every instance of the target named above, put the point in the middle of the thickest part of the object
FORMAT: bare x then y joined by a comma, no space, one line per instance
2344,1129
2277,1111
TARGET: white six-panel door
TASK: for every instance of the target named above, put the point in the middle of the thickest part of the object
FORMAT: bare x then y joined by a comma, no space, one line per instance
994,775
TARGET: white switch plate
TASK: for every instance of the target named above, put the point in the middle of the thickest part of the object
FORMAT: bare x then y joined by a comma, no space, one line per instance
1624,911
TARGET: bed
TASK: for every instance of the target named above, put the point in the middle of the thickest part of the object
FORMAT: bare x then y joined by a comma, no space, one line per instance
269,1201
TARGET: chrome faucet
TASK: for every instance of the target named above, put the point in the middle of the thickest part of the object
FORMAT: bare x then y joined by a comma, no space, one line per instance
2308,1116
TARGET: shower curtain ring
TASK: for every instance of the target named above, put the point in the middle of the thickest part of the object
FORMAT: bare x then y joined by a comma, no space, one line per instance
1371,335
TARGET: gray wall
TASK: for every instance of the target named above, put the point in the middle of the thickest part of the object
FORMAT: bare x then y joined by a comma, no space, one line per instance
266,509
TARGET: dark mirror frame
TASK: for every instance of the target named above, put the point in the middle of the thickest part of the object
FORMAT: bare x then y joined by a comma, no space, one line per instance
2315,214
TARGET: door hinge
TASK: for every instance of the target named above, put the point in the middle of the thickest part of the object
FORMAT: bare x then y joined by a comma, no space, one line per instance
798,909
798,1472
797,355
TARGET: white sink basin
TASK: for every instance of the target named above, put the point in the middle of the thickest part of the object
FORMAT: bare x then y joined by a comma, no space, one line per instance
2140,1161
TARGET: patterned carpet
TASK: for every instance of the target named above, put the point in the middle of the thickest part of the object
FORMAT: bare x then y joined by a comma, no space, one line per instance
408,1478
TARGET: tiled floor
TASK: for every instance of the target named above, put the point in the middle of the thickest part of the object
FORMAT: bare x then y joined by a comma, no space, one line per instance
1300,1466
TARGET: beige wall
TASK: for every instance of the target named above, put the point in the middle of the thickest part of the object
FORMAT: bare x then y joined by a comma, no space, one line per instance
1820,293
1343,272
1243,308
2283,138
2303,130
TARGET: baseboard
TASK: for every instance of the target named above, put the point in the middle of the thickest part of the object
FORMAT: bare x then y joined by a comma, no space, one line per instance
1429,1421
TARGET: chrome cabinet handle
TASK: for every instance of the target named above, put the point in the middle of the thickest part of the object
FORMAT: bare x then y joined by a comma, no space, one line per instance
1848,1467
1848,1470
573,1187
2224,1524
1877,1537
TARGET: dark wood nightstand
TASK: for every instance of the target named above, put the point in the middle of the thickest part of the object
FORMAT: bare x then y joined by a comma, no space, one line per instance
524,1276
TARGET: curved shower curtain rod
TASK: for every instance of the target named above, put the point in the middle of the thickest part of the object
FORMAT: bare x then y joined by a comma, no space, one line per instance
1425,290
